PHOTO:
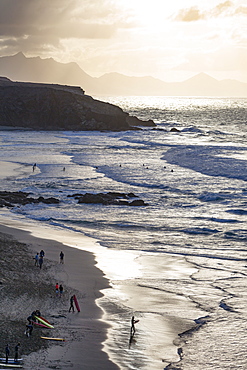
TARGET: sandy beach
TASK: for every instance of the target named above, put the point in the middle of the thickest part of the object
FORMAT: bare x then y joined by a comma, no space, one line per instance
84,332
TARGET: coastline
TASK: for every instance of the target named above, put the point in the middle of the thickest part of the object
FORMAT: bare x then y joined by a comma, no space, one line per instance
85,331
107,284
98,336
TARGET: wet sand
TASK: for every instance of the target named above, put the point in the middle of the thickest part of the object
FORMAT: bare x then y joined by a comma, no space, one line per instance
85,331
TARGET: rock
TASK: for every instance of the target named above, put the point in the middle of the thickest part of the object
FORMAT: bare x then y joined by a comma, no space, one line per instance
10,199
110,198
174,129
138,203
38,106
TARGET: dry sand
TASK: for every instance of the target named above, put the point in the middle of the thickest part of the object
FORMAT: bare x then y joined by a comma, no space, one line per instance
25,288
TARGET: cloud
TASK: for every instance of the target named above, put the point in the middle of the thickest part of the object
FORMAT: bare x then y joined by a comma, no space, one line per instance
189,15
226,8
47,22
42,27
242,10
221,8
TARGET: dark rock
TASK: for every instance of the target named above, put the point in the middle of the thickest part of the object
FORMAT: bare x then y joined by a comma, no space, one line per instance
39,106
110,198
137,202
10,199
174,129
132,195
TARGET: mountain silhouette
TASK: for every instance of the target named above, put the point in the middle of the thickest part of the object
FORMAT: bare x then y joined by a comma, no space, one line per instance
20,68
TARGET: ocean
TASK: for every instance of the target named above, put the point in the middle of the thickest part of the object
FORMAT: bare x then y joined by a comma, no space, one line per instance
178,264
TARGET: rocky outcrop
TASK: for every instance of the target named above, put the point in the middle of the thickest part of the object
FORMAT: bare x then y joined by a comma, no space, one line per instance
110,198
38,106
10,199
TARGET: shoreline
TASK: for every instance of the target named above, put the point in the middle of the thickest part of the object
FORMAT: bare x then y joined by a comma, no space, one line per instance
109,304
86,331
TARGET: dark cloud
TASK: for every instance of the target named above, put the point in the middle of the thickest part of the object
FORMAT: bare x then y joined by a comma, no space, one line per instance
46,22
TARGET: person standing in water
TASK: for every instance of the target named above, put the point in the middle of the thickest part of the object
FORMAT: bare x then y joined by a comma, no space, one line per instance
133,329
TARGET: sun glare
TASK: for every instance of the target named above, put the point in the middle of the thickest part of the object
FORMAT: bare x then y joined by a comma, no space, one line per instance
150,13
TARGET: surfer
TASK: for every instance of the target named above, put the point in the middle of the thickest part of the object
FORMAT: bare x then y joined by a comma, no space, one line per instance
17,351
42,253
61,257
7,353
133,329
72,304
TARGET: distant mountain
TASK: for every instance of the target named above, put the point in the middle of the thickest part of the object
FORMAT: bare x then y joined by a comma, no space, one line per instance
20,68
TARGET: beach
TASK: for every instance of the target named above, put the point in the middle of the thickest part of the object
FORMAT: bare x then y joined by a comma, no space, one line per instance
83,332
91,333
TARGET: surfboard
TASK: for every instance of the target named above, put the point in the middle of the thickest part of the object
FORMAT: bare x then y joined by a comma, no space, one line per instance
77,304
44,322
11,365
48,322
43,326
48,338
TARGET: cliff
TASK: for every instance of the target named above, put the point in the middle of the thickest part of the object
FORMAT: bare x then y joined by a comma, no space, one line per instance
38,106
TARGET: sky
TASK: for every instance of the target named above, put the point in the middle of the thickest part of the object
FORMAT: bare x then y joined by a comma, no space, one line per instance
171,40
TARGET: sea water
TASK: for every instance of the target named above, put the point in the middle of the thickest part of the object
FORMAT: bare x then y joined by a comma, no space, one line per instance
177,264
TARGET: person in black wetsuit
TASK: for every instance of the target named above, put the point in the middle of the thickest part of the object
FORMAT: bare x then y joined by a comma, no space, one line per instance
7,353
17,351
61,257
72,304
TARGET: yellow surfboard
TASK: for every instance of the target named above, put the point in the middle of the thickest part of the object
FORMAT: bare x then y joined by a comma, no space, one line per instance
61,339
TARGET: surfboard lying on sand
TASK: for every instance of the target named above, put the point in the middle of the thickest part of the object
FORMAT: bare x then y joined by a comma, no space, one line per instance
77,304
45,322
48,338
10,365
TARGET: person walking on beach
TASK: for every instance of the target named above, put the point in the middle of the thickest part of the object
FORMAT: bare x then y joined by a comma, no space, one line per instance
57,289
36,263
61,290
7,353
17,352
61,257
42,253
72,304
40,262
